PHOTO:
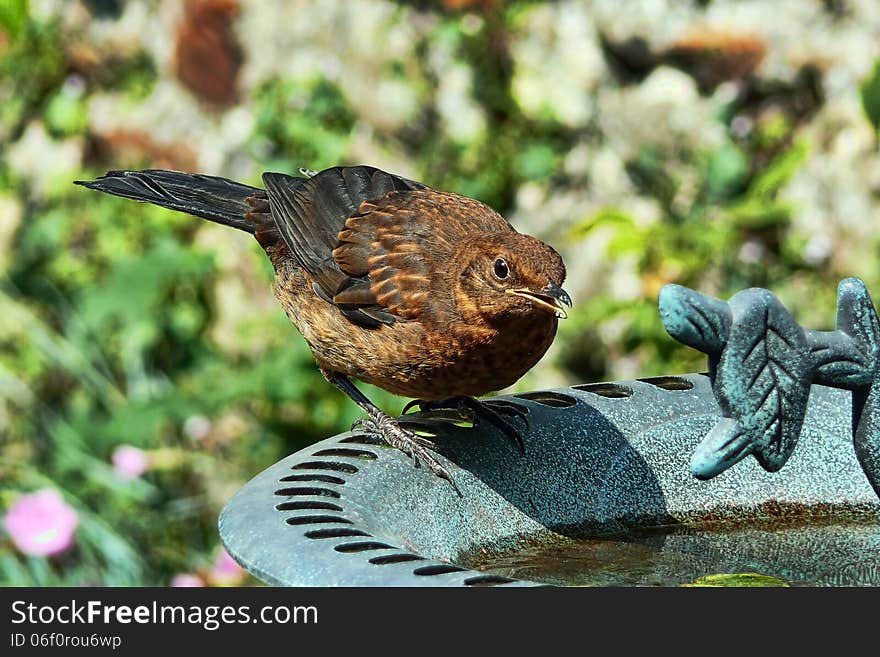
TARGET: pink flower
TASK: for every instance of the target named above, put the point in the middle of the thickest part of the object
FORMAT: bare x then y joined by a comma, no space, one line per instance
225,571
130,462
41,524
187,580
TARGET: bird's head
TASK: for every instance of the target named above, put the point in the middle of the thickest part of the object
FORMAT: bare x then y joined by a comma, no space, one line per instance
506,276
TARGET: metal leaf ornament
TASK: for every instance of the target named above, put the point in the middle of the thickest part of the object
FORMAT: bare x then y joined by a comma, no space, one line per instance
762,365
762,387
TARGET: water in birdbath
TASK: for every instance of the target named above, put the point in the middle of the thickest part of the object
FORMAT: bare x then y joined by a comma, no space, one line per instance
762,553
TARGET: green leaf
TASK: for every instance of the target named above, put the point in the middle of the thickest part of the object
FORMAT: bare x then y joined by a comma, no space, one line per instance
738,579
727,170
537,161
870,90
603,217
780,170
66,113
13,16
759,213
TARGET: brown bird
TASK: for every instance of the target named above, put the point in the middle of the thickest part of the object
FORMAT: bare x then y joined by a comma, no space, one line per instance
423,293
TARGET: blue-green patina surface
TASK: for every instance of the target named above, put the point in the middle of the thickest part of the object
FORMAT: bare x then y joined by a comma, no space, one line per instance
609,460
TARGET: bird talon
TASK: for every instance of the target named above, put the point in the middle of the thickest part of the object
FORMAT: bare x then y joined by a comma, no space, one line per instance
366,425
418,448
412,403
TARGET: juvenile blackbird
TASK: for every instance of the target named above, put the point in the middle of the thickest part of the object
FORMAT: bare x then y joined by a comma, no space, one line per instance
423,293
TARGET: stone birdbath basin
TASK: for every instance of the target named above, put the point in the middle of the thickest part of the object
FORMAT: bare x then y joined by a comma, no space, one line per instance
656,481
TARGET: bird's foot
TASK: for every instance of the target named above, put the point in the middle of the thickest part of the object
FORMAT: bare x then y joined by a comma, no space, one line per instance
496,412
418,448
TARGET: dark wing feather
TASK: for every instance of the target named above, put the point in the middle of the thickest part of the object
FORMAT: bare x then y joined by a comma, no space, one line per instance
309,213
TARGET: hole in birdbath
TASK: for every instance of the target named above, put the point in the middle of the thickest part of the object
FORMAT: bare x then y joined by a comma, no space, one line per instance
315,505
439,569
335,532
345,451
326,465
395,558
487,580
611,390
326,492
316,520
669,382
362,546
327,479
505,404
555,399
366,439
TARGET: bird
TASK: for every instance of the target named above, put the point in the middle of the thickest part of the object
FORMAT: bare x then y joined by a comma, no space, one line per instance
424,293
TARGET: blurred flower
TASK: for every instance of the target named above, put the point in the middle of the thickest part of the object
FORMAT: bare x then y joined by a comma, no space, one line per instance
130,462
225,571
41,524
818,249
197,427
187,580
751,252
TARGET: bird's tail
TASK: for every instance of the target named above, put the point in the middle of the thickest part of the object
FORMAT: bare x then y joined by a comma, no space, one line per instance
216,199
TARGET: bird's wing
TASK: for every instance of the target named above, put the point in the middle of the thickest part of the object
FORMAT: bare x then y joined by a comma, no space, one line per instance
399,246
310,212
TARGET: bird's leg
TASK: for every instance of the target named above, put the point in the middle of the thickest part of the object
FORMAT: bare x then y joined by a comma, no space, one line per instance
473,410
389,429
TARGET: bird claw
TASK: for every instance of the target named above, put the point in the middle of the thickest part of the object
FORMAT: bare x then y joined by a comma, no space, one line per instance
505,407
418,448
412,403
472,410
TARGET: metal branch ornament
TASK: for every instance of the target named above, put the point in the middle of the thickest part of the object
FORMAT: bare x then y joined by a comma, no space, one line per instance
762,365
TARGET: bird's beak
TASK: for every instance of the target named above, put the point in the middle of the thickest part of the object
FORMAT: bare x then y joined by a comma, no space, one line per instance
551,299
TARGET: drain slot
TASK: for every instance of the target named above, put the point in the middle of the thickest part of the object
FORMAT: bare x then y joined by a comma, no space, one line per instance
315,506
554,399
669,382
317,520
327,479
362,546
610,390
336,466
288,492
345,451
487,580
395,558
335,532
429,571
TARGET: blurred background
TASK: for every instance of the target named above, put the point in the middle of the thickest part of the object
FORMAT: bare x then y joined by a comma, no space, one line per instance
146,372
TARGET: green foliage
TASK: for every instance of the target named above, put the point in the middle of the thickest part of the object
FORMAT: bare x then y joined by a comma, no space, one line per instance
13,17
302,124
32,68
871,96
698,244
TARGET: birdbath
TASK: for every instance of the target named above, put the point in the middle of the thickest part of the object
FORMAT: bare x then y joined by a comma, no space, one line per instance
767,465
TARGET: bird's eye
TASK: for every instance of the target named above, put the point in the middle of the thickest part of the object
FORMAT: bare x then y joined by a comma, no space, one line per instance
501,268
